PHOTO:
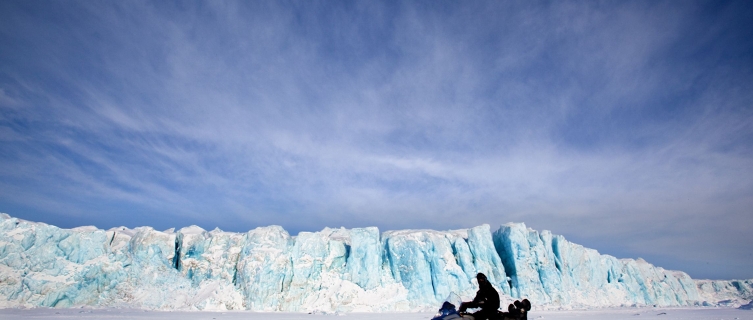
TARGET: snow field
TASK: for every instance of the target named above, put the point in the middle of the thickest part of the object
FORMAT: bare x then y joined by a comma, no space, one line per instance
612,314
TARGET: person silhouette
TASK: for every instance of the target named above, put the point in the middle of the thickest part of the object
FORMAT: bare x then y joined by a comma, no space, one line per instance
486,298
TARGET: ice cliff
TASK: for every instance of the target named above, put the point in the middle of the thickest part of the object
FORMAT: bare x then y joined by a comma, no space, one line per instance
359,269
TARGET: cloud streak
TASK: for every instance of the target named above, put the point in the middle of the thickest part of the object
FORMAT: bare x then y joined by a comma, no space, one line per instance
625,127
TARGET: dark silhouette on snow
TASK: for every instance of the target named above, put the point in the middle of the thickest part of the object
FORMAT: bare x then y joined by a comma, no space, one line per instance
517,310
486,298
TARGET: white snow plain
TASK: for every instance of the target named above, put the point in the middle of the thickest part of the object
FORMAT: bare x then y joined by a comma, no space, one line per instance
628,313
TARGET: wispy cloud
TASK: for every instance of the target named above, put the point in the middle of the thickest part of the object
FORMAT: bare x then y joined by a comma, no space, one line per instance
625,127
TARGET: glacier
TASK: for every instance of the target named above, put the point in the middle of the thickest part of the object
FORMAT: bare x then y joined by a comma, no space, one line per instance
333,270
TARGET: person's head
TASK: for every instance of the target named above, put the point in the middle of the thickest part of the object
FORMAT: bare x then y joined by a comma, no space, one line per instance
526,304
518,304
481,278
511,308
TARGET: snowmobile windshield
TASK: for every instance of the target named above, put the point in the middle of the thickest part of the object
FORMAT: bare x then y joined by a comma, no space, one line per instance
454,299
449,306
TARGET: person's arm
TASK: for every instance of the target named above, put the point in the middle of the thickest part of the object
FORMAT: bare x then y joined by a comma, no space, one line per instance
480,297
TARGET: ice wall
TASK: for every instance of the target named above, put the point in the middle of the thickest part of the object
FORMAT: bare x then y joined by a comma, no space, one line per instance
726,292
550,270
266,269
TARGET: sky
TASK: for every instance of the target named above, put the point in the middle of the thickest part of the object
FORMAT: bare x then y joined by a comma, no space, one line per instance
626,126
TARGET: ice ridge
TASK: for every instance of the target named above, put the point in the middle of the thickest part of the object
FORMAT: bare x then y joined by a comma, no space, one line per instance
347,270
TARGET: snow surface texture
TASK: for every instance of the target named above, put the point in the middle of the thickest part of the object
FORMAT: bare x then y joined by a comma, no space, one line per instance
334,270
600,314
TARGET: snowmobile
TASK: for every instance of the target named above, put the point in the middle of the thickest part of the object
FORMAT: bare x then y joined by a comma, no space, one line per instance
448,310
516,311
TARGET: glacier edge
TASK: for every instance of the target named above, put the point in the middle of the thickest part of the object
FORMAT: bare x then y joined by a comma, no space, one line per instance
360,269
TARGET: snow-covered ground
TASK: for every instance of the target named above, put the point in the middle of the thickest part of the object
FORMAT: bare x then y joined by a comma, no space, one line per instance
632,314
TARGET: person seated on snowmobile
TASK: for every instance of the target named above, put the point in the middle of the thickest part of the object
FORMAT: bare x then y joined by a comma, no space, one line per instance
486,298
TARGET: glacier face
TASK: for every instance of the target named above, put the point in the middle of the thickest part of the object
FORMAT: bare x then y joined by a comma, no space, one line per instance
266,269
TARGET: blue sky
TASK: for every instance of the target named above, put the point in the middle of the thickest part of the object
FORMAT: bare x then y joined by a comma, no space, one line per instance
625,126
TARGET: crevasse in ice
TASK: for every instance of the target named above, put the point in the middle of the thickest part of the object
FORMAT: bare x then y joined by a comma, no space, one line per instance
266,269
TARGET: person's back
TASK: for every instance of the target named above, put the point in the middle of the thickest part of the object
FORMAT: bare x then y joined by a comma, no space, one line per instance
490,295
486,298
